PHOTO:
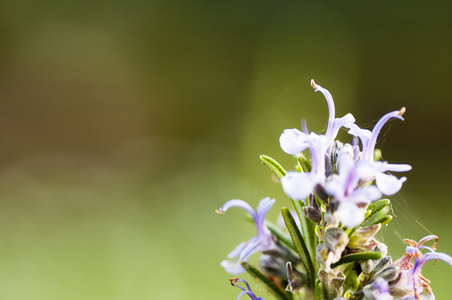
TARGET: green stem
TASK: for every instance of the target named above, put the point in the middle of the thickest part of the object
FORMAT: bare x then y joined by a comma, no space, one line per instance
300,244
276,168
319,291
307,229
383,221
365,255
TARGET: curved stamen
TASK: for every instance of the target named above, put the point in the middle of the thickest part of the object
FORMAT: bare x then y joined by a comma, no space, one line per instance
248,292
368,152
234,280
236,203
331,108
428,238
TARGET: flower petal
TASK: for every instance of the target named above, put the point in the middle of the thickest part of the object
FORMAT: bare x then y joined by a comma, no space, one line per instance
264,206
293,141
367,194
252,247
355,130
297,185
262,231
394,167
338,124
237,203
232,266
237,250
334,187
388,184
350,214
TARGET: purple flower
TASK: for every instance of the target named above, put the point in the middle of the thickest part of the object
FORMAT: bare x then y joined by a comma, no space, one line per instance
293,141
379,290
386,183
344,188
299,185
262,242
411,280
244,291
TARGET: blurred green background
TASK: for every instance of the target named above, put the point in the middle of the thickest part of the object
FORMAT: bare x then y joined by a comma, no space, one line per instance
124,124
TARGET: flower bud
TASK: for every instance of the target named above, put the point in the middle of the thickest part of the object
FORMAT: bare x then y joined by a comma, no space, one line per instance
333,283
296,279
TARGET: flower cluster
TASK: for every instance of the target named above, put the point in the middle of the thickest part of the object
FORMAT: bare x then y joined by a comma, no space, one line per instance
328,248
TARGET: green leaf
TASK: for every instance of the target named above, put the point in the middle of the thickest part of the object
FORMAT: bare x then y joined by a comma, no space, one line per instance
372,209
307,228
303,162
319,290
258,275
365,255
276,168
383,221
351,280
300,245
376,206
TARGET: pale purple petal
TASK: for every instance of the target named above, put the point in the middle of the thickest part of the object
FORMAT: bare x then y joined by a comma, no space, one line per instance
338,124
232,266
345,161
363,134
381,286
379,290
317,148
369,193
384,166
389,184
297,185
263,207
350,214
254,243
366,171
237,203
261,211
334,187
237,250
293,141
356,152
262,242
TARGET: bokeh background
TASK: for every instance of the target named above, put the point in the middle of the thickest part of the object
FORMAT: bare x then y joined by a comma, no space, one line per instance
124,124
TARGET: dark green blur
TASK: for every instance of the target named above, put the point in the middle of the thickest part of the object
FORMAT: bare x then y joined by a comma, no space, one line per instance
125,124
